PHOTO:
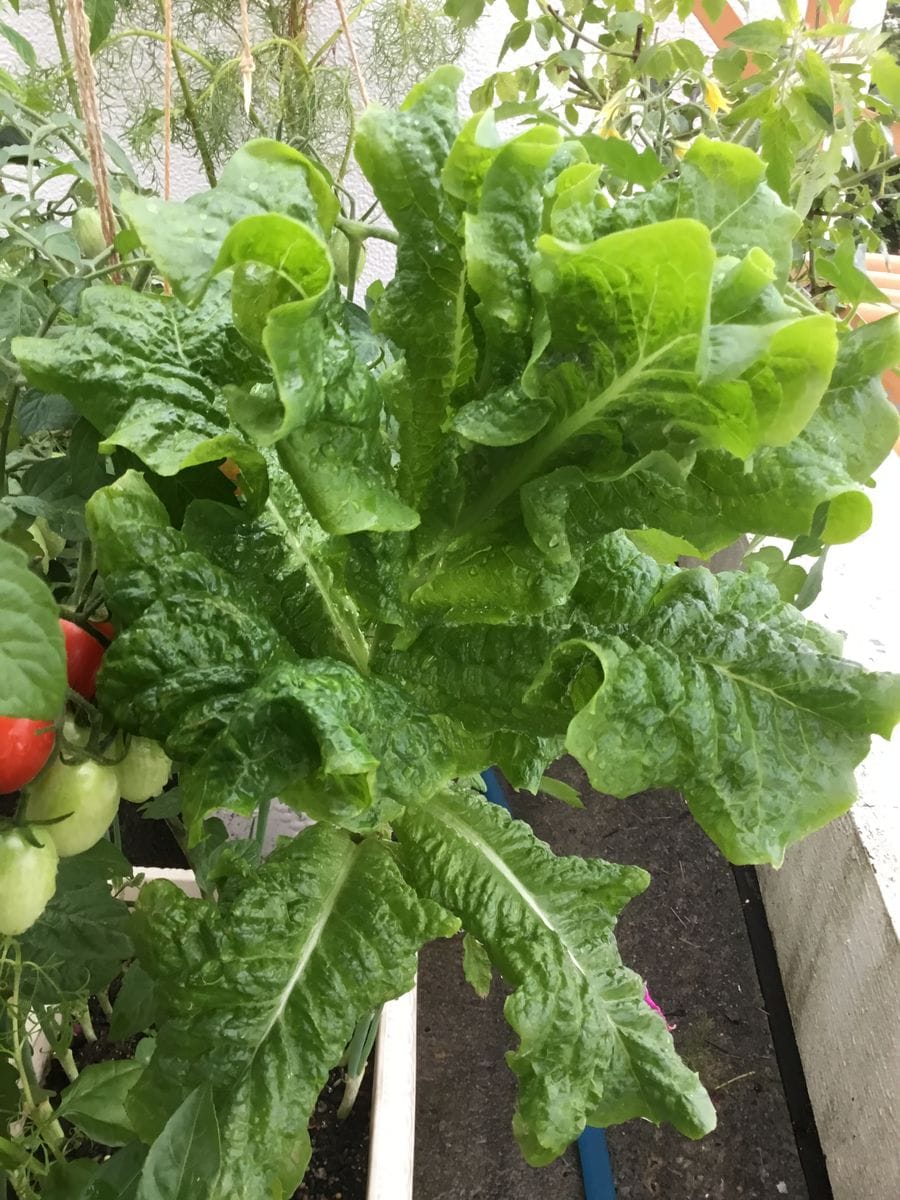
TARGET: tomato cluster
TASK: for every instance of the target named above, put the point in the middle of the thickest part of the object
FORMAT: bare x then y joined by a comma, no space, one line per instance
25,745
67,806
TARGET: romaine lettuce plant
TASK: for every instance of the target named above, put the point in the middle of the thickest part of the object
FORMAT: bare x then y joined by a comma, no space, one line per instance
454,546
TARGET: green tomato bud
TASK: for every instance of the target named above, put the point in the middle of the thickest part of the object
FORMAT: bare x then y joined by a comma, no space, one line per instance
88,232
340,247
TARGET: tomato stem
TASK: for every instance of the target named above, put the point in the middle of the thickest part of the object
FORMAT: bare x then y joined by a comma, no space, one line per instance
87,1025
67,1061
39,1112
20,1185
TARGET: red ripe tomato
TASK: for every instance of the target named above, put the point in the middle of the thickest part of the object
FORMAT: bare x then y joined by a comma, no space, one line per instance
25,746
84,654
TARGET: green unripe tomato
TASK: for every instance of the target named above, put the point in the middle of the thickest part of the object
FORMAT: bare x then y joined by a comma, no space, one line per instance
88,232
88,791
339,247
144,771
74,734
27,878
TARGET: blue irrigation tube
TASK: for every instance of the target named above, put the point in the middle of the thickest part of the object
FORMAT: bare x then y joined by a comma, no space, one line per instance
593,1153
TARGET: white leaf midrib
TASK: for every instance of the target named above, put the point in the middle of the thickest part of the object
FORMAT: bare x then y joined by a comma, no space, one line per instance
310,943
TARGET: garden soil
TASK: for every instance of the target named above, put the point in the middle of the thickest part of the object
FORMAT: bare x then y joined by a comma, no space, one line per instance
686,936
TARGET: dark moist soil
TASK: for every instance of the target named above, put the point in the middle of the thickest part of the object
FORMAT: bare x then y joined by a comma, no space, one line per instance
686,936
339,1165
148,843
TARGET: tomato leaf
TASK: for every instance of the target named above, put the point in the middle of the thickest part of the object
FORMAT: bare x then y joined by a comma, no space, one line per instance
184,1159
101,14
32,655
95,1102
82,939
135,1007
852,284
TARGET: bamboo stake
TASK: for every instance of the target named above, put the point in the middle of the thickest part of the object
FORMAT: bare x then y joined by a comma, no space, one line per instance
348,37
87,92
248,66
167,101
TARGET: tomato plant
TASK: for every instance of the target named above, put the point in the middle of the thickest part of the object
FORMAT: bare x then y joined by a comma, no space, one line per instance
85,795
28,861
24,748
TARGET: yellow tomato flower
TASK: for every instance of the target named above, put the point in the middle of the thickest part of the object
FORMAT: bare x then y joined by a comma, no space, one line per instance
715,101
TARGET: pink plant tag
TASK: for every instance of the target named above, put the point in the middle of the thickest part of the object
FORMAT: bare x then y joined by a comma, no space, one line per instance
649,1000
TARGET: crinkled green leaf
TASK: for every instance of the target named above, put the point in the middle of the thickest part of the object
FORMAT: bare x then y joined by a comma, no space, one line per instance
184,239
830,461
290,560
502,229
629,338
32,655
263,220
567,510
423,309
150,375
577,202
265,989
723,186
472,152
477,966
203,666
479,584
478,675
712,685
506,416
325,409
590,1049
